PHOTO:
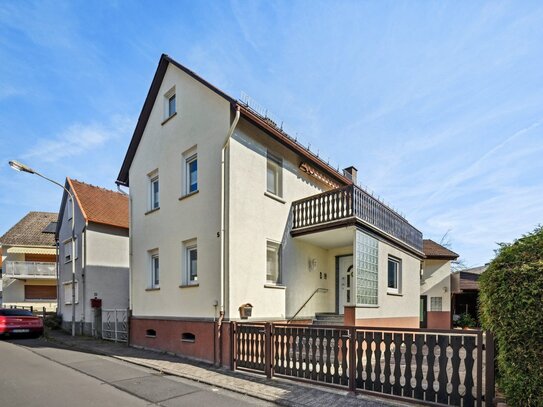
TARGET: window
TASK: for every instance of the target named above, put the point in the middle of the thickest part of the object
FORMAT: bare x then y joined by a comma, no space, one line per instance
68,250
155,270
188,337
394,275
274,175
69,208
191,171
154,192
273,263
436,304
150,333
191,264
68,292
170,103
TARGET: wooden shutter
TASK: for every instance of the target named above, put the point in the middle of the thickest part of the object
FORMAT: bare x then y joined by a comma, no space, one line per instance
40,292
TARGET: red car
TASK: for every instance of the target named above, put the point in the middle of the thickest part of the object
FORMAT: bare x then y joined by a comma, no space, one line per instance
19,321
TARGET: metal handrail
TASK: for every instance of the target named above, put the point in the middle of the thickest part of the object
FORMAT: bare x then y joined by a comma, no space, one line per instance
321,290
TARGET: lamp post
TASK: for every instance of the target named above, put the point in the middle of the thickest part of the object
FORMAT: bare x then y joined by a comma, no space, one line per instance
17,166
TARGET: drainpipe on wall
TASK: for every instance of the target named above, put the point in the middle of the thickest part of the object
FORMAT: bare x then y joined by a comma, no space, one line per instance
84,274
224,185
57,269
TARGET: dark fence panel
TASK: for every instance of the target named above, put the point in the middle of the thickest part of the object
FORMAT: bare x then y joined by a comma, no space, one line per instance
437,367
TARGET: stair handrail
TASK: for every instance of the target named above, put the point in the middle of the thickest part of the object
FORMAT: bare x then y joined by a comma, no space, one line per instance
318,290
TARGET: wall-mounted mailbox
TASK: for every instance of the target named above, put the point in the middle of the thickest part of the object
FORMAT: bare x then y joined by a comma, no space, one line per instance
245,311
96,302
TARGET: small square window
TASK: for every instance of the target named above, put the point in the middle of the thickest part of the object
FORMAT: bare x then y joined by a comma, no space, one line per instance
436,304
68,257
273,263
394,275
274,175
68,293
154,192
155,270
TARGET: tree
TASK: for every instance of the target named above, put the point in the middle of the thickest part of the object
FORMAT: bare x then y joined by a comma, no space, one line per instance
459,263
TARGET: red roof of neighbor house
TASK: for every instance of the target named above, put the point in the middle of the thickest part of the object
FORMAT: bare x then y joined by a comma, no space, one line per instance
434,250
30,231
100,205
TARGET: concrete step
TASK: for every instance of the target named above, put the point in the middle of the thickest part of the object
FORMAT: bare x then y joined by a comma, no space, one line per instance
327,318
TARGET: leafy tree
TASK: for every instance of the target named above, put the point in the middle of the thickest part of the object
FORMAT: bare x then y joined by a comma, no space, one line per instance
511,306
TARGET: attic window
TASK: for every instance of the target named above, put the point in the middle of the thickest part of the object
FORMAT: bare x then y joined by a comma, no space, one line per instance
50,228
150,333
188,337
170,104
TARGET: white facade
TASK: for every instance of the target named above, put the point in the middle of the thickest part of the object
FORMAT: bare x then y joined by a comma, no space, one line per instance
253,219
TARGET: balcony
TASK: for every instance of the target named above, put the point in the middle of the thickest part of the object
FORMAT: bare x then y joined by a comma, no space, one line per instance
27,269
351,203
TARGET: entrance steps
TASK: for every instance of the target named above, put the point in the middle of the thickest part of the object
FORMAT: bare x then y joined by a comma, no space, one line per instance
327,318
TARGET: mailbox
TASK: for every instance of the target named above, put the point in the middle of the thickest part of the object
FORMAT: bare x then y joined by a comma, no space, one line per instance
245,311
96,302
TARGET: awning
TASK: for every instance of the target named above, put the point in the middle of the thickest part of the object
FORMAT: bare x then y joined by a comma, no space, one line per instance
33,250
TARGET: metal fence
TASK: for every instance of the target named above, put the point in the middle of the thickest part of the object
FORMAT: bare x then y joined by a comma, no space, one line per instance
443,367
115,325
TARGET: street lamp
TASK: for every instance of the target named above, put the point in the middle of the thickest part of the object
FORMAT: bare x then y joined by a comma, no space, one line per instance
17,166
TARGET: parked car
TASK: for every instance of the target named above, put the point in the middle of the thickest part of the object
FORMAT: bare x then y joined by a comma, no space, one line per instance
19,322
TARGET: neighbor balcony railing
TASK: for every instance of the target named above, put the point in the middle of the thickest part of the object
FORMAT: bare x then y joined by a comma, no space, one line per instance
352,201
18,269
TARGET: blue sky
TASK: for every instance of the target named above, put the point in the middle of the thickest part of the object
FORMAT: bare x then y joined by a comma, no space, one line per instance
438,104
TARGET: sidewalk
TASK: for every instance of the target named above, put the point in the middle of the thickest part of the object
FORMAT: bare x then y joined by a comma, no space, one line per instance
280,391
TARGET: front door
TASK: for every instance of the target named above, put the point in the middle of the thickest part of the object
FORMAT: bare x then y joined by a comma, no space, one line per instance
345,282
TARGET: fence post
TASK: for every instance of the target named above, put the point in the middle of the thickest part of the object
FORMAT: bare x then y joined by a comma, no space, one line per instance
490,376
115,319
44,313
352,358
32,308
269,350
479,368
232,345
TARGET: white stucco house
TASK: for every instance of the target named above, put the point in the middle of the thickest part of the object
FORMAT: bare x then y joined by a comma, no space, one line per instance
226,209
101,255
28,250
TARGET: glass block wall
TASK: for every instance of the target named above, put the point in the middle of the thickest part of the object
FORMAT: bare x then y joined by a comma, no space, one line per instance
367,257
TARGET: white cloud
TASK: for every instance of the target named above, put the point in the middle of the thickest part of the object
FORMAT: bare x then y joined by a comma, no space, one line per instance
77,139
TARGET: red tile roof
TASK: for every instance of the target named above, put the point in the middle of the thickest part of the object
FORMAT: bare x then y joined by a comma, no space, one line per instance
100,205
434,250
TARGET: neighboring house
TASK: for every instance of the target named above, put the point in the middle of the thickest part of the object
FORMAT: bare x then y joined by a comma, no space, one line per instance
101,256
227,209
29,275
435,289
465,291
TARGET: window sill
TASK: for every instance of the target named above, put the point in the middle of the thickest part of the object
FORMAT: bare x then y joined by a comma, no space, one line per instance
168,119
150,336
276,286
394,294
189,285
152,210
275,197
188,195
152,289
366,306
188,341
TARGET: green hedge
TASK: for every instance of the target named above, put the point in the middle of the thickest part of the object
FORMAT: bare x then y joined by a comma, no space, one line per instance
511,306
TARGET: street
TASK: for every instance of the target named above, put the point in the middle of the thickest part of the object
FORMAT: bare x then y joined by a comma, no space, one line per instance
34,372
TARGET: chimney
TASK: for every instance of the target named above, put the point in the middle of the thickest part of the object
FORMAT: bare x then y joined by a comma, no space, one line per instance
350,172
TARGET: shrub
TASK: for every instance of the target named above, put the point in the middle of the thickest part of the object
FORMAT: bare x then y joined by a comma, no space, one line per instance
511,306
466,321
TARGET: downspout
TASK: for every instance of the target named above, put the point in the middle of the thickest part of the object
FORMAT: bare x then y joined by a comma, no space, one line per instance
224,184
84,275
57,269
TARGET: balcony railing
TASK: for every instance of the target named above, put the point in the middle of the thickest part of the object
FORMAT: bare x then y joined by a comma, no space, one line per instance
28,269
352,201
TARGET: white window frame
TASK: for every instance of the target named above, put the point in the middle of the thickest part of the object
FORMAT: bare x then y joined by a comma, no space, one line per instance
68,292
434,301
68,249
276,247
189,247
398,263
153,254
188,162
275,164
69,207
154,179
167,97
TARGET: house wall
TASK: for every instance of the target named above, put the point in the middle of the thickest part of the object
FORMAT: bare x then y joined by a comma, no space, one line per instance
394,310
254,218
436,282
202,120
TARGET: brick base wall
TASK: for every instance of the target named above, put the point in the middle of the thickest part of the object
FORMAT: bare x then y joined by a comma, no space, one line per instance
439,320
169,334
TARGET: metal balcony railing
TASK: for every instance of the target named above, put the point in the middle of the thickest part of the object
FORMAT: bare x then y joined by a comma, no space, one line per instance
352,201
28,269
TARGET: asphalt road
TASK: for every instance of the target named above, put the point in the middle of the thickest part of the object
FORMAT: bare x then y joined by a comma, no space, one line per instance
34,372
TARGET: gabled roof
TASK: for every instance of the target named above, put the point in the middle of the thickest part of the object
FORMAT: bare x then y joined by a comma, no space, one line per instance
97,204
29,231
434,250
245,111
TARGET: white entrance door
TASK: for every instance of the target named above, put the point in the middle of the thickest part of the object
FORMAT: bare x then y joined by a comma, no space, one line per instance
345,289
